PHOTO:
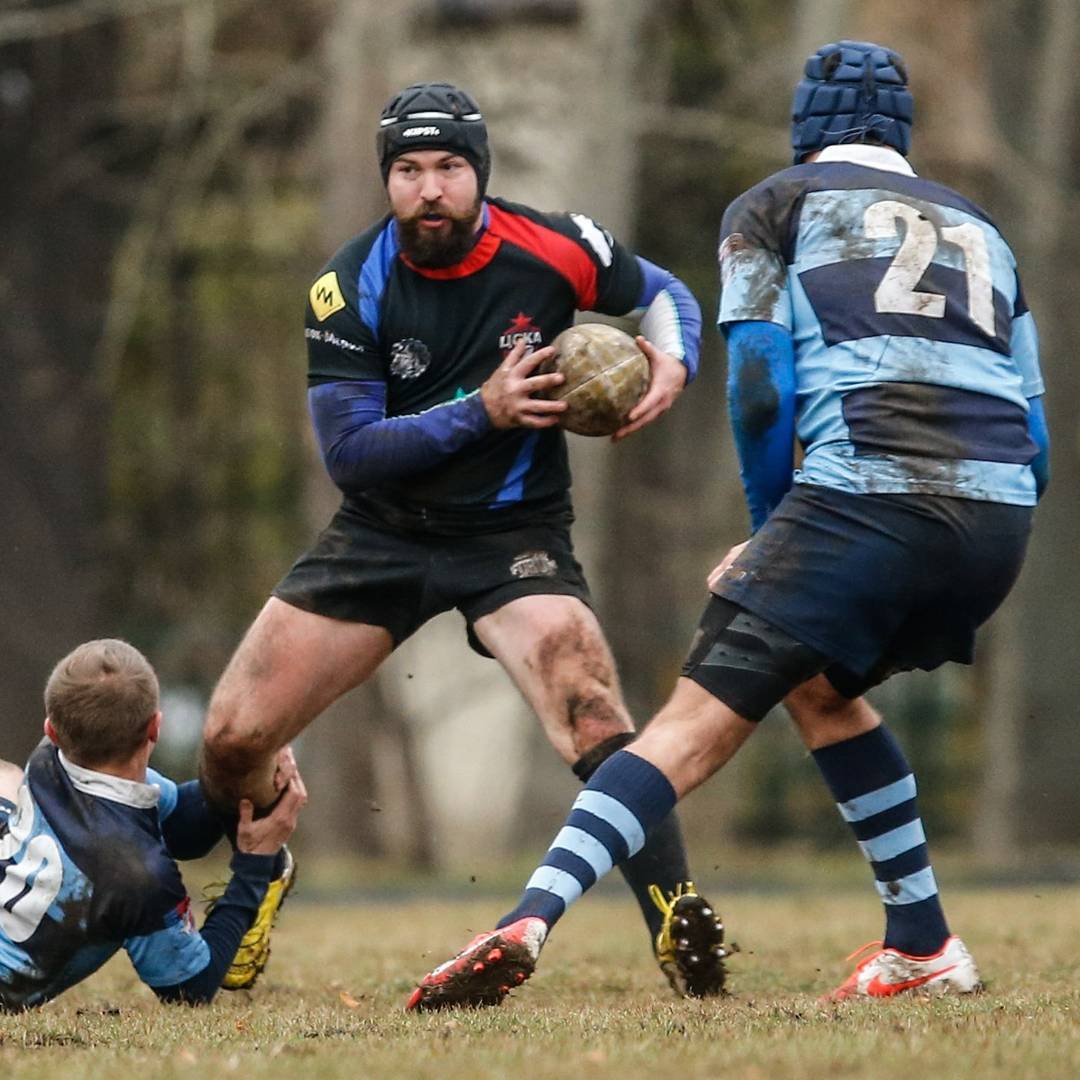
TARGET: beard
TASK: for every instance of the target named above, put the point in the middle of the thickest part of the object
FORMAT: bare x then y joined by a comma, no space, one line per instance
436,249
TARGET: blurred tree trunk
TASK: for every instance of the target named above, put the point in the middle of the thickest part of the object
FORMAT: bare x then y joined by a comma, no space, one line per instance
360,755
1031,782
58,235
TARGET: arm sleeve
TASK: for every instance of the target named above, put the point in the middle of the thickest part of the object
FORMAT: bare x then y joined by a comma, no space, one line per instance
753,261
1024,345
670,316
761,403
182,965
188,826
1040,435
362,447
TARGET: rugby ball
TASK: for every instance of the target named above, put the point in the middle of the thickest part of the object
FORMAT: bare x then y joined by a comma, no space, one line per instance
606,376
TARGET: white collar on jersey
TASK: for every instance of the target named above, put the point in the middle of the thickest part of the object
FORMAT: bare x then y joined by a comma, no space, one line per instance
873,157
114,788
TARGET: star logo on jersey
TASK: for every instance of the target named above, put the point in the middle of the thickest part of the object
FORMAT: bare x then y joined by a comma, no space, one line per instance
409,358
325,296
521,328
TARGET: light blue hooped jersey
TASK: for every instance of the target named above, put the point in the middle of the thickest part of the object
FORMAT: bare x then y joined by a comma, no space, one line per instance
84,872
915,351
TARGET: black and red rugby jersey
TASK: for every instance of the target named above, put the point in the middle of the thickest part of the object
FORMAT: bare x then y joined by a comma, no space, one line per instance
435,335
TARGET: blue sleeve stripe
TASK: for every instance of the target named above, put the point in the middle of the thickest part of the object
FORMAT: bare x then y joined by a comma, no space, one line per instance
654,278
374,274
672,319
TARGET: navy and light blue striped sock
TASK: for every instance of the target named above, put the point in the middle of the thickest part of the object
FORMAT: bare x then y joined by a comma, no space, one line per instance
626,797
875,790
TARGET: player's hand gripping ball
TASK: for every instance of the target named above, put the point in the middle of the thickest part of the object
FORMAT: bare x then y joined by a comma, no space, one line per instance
606,376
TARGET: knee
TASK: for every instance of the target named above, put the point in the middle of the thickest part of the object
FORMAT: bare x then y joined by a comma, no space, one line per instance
817,698
823,715
231,741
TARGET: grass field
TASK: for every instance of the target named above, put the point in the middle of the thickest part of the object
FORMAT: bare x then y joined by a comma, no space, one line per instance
330,1003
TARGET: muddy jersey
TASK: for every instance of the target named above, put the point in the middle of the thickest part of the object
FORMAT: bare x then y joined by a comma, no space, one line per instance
84,872
915,351
433,336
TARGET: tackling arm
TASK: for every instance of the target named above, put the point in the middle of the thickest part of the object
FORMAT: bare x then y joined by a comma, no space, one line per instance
190,829
204,957
761,404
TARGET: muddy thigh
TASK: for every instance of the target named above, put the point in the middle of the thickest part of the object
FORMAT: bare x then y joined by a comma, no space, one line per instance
554,650
290,666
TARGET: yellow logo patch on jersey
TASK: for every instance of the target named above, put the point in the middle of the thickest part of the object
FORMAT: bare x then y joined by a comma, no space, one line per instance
326,296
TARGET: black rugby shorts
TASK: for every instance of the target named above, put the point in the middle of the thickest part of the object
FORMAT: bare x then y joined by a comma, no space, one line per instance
873,584
359,572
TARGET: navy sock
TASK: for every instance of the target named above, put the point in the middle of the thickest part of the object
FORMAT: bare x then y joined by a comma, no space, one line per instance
662,861
626,798
875,791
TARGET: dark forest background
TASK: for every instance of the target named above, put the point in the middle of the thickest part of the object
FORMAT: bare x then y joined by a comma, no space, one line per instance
175,172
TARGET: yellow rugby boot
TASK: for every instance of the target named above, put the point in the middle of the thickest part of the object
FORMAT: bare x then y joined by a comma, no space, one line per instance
690,946
254,950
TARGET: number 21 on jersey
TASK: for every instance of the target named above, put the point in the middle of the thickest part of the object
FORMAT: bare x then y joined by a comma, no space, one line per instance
897,292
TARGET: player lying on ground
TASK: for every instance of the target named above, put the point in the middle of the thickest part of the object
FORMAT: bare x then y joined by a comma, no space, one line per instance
879,317
424,335
89,839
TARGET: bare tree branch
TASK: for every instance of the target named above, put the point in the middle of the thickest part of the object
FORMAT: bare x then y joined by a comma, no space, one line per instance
180,176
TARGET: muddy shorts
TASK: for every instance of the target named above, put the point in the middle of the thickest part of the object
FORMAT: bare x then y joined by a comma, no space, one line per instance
360,572
860,587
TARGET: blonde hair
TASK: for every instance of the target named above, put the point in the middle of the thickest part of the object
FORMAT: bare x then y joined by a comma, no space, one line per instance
100,698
